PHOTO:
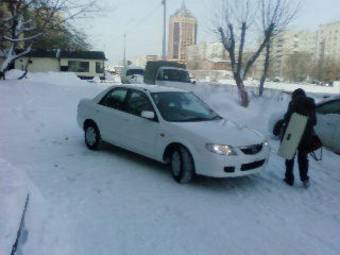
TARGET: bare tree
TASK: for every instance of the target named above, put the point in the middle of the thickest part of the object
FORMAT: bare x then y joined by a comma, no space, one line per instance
297,66
326,69
240,15
276,15
21,30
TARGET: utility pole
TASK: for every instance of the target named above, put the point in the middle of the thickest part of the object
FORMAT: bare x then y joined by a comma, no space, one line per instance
164,31
124,54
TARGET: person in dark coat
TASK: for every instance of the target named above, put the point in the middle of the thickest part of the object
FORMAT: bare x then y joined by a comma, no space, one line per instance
303,105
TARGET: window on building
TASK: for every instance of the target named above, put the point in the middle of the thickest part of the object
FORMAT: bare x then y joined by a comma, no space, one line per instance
176,40
99,67
79,66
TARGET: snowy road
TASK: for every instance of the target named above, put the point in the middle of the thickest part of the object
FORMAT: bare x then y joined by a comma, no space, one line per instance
114,202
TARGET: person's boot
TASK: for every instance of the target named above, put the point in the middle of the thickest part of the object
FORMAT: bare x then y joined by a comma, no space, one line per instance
306,184
289,181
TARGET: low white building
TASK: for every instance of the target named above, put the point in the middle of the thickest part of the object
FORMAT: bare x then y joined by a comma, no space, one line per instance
86,64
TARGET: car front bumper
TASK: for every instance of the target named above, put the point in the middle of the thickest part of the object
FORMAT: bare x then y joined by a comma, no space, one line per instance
220,166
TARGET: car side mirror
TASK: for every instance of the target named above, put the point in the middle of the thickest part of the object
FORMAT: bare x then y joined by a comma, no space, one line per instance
150,115
193,82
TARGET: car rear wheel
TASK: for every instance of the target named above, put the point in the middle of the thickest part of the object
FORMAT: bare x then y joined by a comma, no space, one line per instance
92,137
182,165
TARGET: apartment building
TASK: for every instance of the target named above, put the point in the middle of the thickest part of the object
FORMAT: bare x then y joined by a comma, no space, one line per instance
288,43
328,41
208,56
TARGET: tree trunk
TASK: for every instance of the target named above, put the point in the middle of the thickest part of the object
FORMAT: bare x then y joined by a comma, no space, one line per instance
24,75
265,70
243,94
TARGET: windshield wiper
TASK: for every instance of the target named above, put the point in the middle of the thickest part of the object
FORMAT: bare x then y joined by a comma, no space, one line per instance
201,119
217,117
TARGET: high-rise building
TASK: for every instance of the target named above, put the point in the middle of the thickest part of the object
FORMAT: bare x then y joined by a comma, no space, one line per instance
329,41
322,45
182,33
287,43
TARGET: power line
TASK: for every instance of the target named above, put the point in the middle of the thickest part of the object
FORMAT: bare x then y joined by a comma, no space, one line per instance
131,25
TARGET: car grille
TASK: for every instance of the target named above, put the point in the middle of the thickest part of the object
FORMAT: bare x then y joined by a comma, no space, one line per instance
252,149
253,165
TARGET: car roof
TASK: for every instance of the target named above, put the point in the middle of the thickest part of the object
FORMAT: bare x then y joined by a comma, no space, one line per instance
134,67
151,88
172,68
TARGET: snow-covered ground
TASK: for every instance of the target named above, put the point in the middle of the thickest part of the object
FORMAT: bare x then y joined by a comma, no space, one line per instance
114,202
289,87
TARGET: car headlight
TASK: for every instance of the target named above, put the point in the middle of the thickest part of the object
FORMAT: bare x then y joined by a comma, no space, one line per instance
221,149
265,143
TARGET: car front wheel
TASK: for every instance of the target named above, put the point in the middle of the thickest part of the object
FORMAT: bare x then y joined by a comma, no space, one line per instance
92,137
182,165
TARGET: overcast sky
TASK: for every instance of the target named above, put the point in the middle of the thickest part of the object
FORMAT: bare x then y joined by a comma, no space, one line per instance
141,20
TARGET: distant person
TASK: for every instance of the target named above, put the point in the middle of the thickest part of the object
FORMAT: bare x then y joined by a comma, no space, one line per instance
303,105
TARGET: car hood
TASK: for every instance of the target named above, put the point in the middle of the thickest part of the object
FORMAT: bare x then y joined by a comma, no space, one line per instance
176,84
223,132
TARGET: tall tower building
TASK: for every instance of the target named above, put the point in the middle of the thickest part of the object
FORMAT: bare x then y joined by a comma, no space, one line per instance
182,33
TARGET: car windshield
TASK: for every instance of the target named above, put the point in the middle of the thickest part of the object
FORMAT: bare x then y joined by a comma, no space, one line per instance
175,75
134,71
183,107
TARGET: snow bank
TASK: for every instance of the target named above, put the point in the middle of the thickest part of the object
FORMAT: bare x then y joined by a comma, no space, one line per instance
38,228
114,202
59,78
13,74
13,192
66,78
289,87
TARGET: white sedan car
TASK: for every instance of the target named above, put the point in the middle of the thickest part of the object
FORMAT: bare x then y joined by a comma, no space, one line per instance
174,127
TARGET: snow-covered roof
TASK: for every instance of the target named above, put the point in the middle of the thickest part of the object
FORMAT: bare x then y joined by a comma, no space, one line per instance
98,55
153,88
40,53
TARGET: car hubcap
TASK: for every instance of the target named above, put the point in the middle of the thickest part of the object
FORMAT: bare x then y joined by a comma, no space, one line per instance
176,163
91,136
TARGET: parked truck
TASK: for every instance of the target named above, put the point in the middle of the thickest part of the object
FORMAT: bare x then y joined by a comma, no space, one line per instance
132,75
165,73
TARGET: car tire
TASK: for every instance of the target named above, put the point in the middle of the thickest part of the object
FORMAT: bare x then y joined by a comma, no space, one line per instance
92,137
182,165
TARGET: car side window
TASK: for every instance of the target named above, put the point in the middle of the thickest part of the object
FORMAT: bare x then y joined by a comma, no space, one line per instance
115,99
160,75
138,102
329,108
